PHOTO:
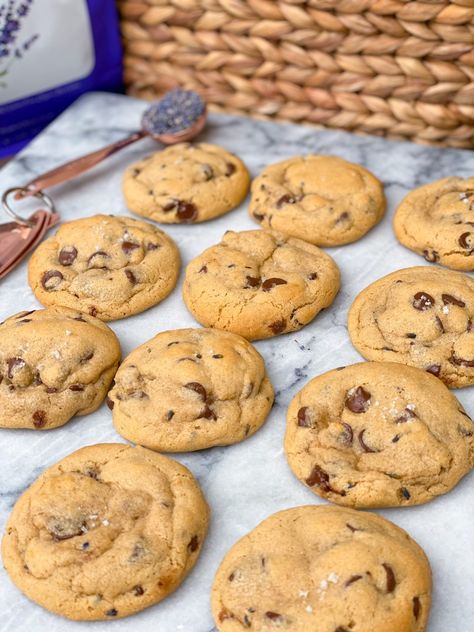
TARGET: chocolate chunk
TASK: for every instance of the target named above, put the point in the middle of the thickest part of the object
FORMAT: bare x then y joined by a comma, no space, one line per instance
278,326
396,439
451,300
87,357
93,310
217,356
348,433
259,217
320,478
152,246
269,284
405,416
129,246
193,544
358,400
51,279
252,282
138,590
462,241
304,420
405,493
313,276
230,169
352,580
110,402
14,363
203,270
461,361
186,212
435,369
208,413
198,388
423,301
416,607
273,616
364,446
285,199
112,612
431,255
390,577
130,276
66,529
76,387
410,335
67,255
39,418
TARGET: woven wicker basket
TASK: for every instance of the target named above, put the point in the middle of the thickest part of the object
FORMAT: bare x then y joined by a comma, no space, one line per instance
396,68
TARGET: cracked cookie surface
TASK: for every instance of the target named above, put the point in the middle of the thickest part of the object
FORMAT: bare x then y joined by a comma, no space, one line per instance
378,434
324,569
422,316
437,221
260,284
186,183
190,389
106,532
54,364
108,266
324,200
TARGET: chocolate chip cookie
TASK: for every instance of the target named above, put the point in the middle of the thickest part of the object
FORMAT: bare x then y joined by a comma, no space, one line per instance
190,389
186,183
324,200
422,316
323,569
54,364
110,267
378,434
437,222
106,532
259,284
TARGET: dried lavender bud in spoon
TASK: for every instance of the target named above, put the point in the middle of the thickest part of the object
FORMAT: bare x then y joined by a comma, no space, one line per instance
178,110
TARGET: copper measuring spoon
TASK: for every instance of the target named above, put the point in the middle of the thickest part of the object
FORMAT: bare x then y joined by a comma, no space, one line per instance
179,116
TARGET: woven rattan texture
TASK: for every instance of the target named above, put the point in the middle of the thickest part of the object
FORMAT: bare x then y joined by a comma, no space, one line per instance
395,68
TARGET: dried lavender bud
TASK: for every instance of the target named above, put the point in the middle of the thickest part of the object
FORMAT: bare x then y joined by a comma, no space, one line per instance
176,111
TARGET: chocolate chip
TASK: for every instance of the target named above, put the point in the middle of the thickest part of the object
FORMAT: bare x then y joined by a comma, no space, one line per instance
405,493
246,621
304,420
423,301
364,446
93,310
462,241
342,218
198,388
439,322
313,276
207,171
217,356
129,246
193,544
87,357
435,369
110,402
269,284
461,361
51,279
451,300
39,418
411,335
431,255
203,270
285,199
186,212
259,217
358,400
405,416
348,433
416,607
208,413
76,387
390,577
152,246
67,255
352,580
112,612
14,363
278,326
138,590
273,616
396,438
130,276
320,478
252,282
230,169
84,546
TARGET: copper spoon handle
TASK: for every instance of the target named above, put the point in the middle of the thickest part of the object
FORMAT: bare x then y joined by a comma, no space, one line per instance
75,167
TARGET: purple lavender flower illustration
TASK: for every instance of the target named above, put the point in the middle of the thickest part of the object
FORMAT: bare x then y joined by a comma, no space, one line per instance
12,12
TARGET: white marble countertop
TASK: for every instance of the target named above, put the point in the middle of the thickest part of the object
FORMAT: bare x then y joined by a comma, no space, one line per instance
244,483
